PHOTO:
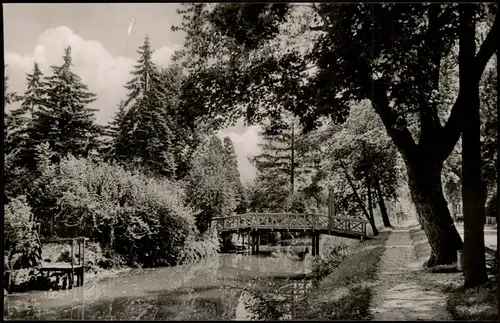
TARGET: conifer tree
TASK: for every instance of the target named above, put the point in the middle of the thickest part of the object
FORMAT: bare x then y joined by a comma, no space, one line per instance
22,116
112,131
65,121
145,136
280,152
9,97
35,93
12,122
231,164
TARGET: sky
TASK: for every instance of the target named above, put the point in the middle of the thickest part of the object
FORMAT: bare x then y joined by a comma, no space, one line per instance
103,52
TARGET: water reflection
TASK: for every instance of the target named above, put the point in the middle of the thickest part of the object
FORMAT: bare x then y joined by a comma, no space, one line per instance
223,288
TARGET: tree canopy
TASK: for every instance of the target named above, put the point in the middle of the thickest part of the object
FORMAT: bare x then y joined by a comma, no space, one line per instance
317,60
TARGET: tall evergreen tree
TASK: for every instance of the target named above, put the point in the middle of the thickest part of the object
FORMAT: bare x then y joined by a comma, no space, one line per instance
22,116
14,123
186,137
35,93
9,97
145,136
112,131
280,152
231,162
64,120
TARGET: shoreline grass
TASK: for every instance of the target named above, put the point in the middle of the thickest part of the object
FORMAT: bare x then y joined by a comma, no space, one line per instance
475,304
345,293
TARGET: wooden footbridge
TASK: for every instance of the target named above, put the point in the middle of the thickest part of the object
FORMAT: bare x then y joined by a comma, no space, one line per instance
312,223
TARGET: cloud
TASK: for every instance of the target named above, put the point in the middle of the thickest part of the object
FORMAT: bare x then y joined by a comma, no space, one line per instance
162,56
246,145
104,73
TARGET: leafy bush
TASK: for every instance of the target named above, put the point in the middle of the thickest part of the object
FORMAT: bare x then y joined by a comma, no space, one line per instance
141,218
21,242
200,246
209,188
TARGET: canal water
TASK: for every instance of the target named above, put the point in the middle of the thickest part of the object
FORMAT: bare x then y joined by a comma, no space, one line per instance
226,287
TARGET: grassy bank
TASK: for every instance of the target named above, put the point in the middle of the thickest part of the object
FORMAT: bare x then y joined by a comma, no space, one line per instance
476,304
345,293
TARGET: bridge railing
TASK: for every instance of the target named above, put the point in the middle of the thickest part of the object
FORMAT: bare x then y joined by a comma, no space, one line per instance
295,221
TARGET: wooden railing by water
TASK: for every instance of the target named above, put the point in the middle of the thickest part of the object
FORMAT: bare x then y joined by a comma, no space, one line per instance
312,223
291,222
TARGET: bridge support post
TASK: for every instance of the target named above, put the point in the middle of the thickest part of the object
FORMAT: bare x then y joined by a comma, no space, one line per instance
315,244
253,242
257,240
313,241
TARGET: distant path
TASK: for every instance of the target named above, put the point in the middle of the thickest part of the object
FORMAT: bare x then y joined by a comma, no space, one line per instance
399,293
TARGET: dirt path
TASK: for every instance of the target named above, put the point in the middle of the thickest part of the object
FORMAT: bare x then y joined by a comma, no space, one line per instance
399,293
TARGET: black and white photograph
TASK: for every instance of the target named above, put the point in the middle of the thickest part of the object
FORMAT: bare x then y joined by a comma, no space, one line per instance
266,161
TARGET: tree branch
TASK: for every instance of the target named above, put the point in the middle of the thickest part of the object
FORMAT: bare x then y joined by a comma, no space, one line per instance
430,56
487,49
400,134
453,129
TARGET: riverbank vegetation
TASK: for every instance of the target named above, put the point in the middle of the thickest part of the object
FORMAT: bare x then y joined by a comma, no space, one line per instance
343,293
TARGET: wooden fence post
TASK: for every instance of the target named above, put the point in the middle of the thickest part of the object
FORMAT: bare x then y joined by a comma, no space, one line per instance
72,274
83,262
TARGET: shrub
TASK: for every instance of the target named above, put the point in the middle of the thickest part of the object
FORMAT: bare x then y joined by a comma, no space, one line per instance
141,218
21,242
199,246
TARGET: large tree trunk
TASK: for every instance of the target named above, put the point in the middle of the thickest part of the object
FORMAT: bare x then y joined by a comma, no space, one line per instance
472,186
424,179
473,197
381,204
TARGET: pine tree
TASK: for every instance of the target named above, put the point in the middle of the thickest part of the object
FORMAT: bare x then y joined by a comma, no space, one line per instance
9,97
231,163
145,136
280,152
35,93
112,132
13,123
64,121
22,116
186,138
146,82
118,119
